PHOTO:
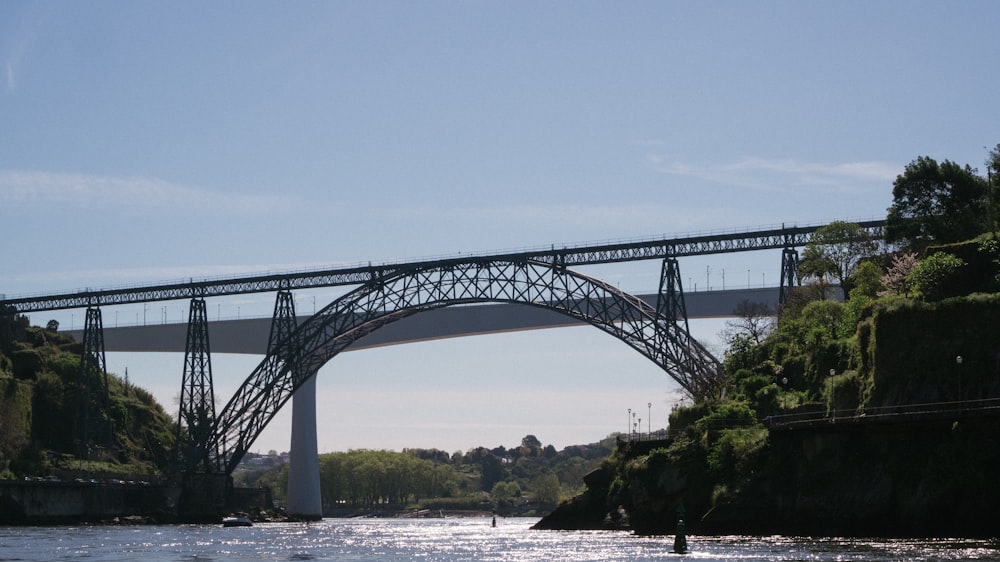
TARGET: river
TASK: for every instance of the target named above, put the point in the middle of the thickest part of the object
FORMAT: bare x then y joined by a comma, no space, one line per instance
446,540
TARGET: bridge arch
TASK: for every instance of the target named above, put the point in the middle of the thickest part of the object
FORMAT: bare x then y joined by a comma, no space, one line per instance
405,292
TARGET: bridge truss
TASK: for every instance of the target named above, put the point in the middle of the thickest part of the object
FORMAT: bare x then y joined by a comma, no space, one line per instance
389,292
784,238
382,301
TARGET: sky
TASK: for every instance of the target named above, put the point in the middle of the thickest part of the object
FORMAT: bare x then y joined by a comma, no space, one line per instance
143,142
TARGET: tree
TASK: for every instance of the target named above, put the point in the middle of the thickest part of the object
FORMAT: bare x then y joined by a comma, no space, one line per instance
931,278
505,495
836,250
866,281
531,442
546,489
993,166
753,319
938,203
895,278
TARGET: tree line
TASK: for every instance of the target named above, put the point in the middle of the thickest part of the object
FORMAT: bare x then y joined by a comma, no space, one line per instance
529,476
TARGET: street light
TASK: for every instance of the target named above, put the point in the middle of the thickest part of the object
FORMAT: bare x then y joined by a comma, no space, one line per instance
958,362
627,422
833,403
649,418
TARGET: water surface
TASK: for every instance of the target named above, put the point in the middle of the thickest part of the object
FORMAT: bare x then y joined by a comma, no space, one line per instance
446,540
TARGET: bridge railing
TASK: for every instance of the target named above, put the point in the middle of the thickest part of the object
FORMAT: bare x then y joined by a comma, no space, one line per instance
575,255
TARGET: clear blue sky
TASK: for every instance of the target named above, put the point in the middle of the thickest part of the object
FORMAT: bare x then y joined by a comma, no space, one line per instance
149,141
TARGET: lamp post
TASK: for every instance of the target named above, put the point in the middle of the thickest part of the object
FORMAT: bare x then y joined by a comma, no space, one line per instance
627,422
833,403
958,363
649,418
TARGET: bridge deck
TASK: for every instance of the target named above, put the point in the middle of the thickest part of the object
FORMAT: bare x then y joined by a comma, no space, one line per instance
639,250
250,336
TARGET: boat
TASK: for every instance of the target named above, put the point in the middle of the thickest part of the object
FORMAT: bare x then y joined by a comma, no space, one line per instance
237,520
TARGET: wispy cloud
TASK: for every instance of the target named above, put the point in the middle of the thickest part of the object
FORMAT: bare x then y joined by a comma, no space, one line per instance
28,188
779,174
18,45
12,61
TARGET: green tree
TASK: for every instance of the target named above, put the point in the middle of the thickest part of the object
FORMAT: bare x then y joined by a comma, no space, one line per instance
505,495
835,251
939,203
931,278
867,281
546,490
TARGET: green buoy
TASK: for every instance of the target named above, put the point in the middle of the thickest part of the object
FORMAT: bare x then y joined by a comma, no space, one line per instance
680,541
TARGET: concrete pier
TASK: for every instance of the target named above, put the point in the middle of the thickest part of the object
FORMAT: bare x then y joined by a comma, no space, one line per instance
304,501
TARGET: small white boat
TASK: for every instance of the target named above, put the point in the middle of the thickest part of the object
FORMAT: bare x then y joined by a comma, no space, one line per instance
239,520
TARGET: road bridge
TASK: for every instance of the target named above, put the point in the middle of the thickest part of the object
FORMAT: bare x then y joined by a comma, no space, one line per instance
250,335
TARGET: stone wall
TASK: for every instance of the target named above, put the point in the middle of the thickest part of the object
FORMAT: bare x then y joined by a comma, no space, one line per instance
32,502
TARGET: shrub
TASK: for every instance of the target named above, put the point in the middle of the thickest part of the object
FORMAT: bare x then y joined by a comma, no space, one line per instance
934,277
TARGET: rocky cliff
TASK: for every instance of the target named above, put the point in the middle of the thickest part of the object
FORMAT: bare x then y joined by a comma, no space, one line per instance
932,476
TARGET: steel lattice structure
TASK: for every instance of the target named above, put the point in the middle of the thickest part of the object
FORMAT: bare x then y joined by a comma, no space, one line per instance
92,412
385,300
776,238
197,403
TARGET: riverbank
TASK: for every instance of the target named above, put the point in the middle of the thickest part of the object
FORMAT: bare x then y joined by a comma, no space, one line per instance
932,478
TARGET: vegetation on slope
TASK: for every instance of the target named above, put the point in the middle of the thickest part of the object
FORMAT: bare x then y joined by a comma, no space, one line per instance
915,326
39,370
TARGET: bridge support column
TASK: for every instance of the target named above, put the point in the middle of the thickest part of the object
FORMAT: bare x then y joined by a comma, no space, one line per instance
197,407
304,499
789,273
670,300
93,422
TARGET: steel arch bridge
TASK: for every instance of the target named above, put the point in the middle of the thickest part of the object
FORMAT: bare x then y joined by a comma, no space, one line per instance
651,331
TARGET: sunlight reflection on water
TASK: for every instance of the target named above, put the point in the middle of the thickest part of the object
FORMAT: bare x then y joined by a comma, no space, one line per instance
447,540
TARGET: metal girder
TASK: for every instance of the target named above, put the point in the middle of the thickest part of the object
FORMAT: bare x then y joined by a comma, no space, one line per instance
282,324
386,300
93,421
789,273
637,250
197,407
670,299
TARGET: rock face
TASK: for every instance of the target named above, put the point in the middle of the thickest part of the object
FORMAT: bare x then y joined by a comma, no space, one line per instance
588,511
928,477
